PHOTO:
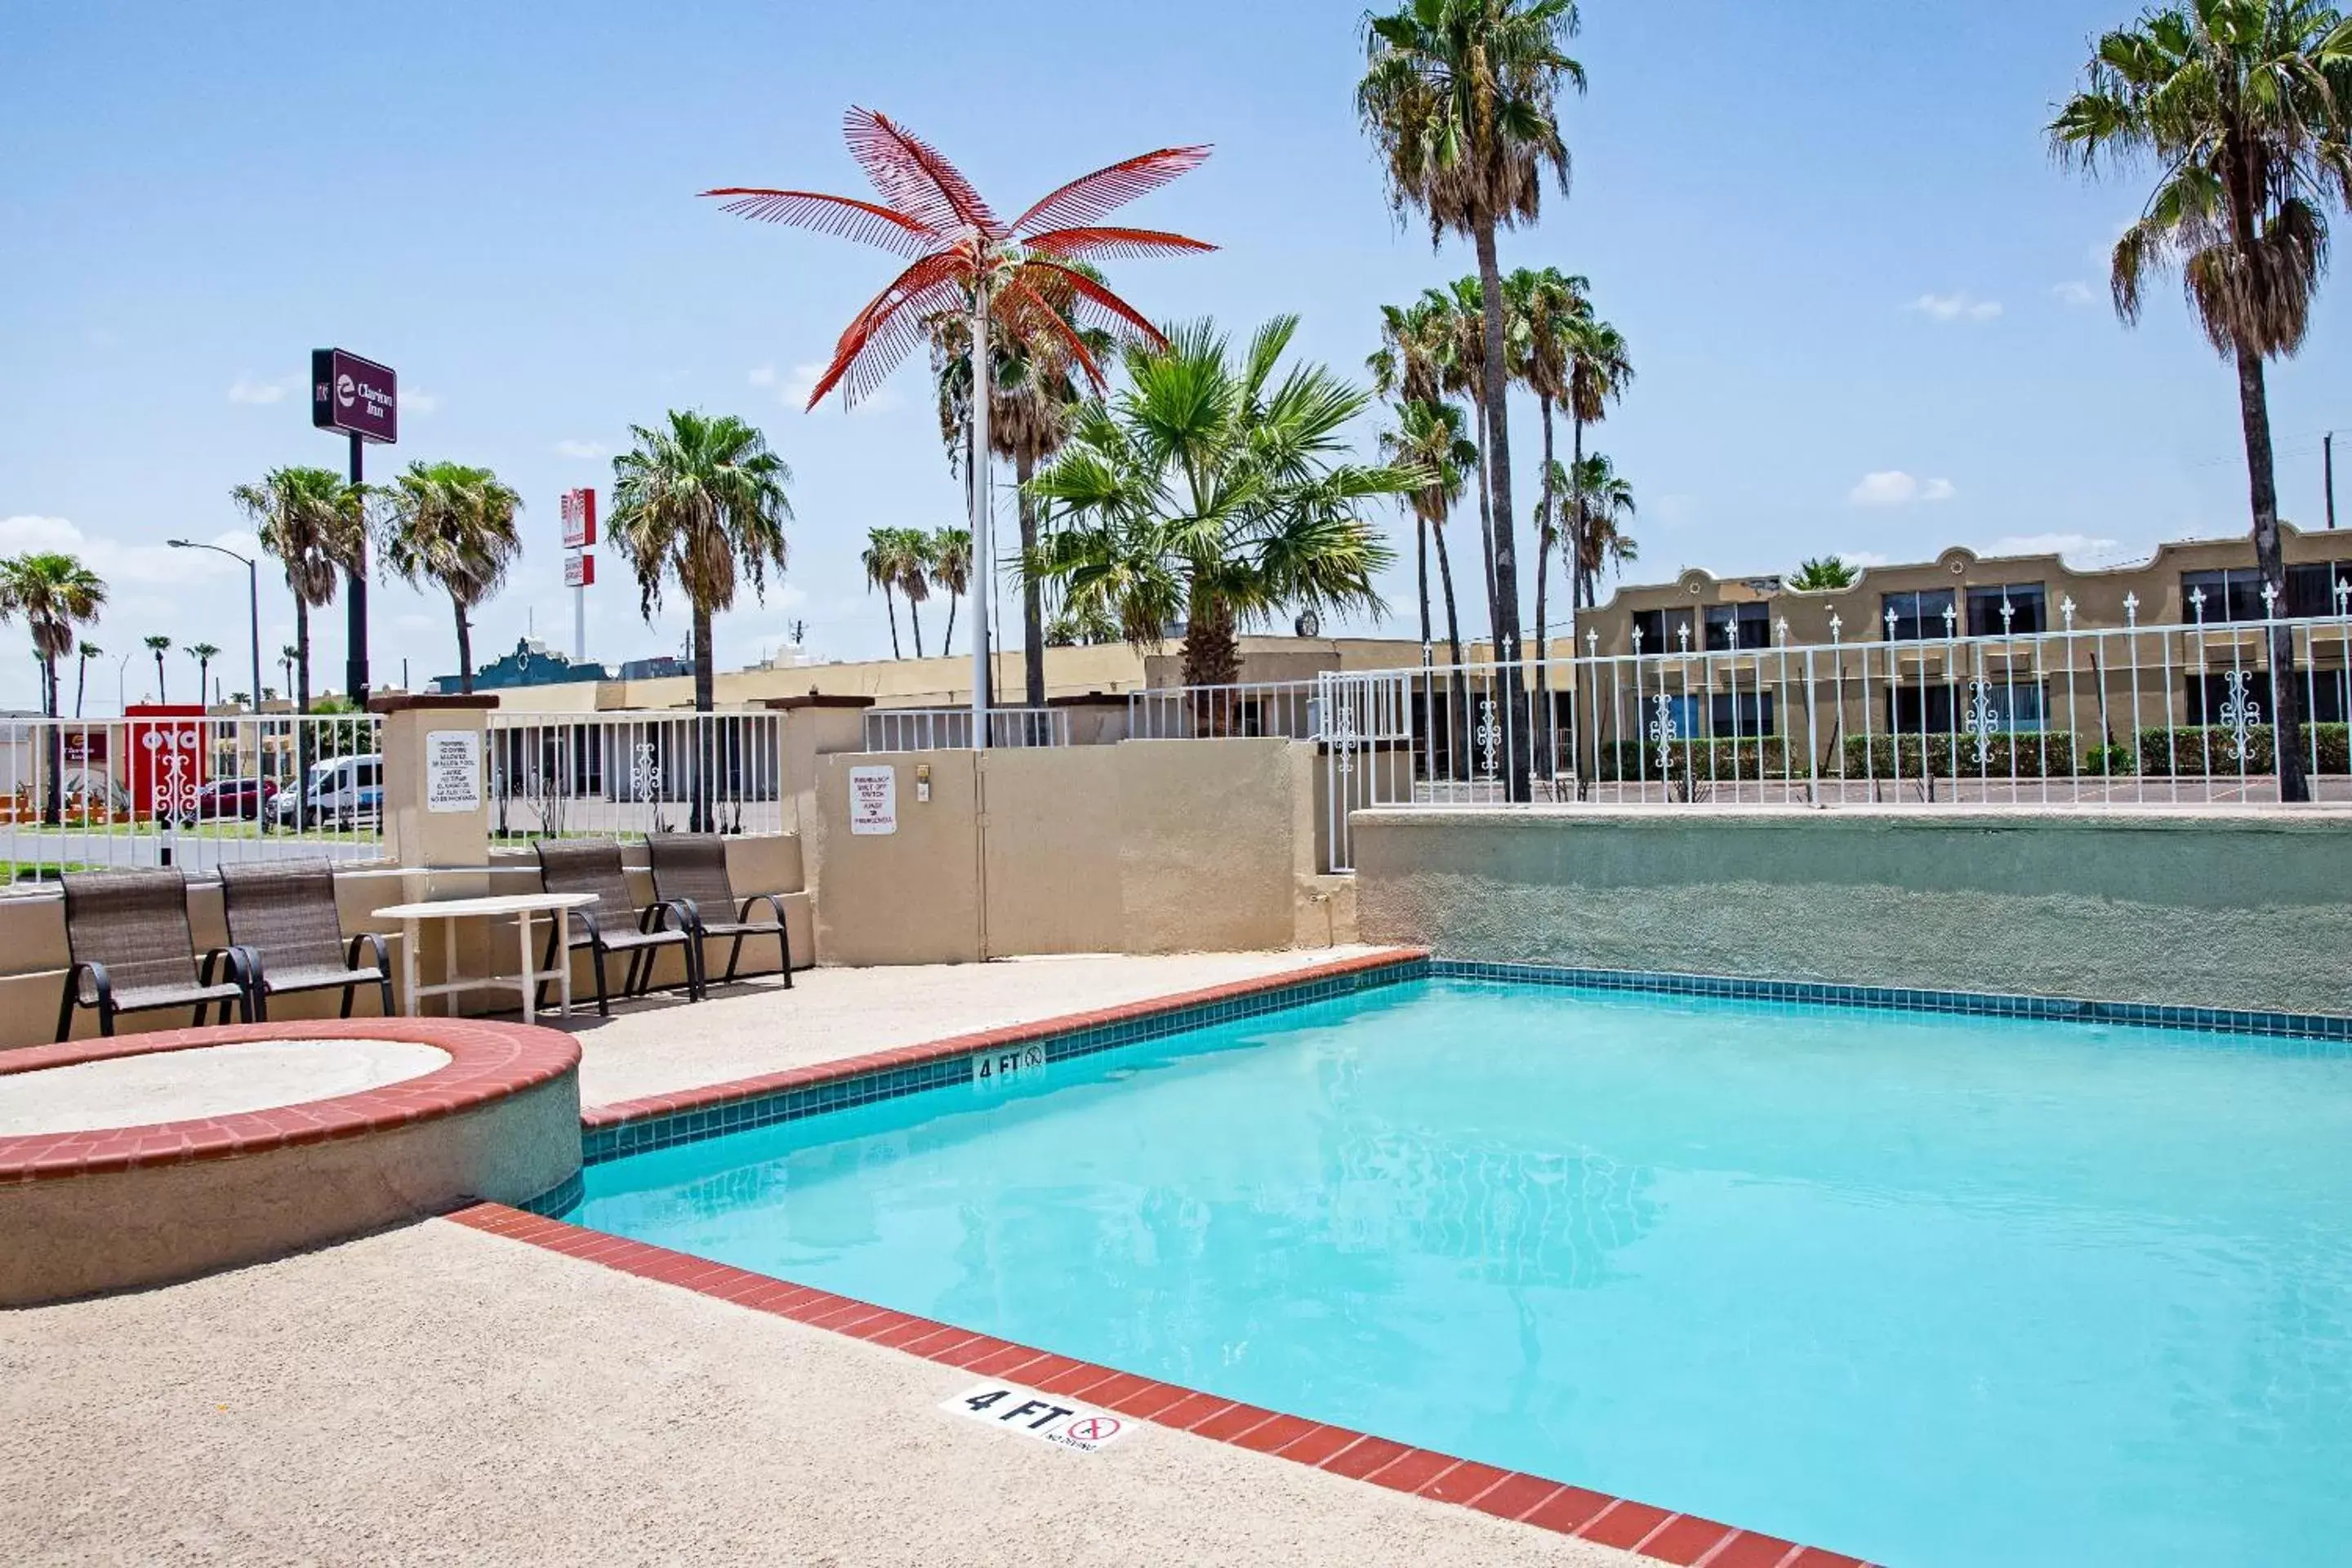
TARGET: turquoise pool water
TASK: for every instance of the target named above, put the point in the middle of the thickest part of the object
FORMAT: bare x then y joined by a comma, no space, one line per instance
1926,1289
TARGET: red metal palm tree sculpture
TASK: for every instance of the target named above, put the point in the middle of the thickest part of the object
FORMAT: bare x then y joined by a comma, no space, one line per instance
963,257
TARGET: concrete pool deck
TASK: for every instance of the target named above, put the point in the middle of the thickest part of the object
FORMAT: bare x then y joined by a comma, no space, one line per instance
434,1393
661,1045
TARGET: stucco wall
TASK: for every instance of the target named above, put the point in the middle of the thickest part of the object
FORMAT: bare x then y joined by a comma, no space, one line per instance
1143,847
2198,908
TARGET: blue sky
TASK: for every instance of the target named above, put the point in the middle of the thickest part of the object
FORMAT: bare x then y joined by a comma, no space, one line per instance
1868,312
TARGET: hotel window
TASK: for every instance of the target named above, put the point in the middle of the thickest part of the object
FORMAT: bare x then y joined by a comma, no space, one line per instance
1745,714
1942,706
2311,590
2235,595
2028,610
1661,630
2327,695
1918,616
1733,627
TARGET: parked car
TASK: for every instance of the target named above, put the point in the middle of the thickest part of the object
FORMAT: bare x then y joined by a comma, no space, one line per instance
341,792
242,800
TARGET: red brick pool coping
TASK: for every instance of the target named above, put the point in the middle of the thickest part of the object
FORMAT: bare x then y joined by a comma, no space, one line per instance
1677,1537
706,1096
488,1061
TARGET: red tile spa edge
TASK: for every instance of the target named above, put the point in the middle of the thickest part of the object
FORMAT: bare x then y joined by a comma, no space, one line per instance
488,1061
1677,1537
656,1106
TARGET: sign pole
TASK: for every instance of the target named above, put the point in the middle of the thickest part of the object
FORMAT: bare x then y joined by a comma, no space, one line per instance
355,656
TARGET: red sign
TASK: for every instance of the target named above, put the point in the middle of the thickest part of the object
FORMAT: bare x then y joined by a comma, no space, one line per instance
579,518
580,570
166,758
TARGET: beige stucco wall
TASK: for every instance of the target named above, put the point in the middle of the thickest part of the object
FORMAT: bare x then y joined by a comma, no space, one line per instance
2199,909
1143,847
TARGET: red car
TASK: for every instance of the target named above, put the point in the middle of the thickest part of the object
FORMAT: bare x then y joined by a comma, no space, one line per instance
231,799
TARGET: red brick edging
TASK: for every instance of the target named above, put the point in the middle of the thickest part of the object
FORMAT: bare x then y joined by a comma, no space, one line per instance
1678,1538
706,1096
488,1062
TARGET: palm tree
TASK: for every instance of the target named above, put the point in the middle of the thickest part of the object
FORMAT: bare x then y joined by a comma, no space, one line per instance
1604,510
952,570
204,653
454,527
885,560
1415,355
1550,312
702,501
914,578
1459,311
159,646
1825,573
56,594
1600,369
315,522
88,651
1429,442
2245,108
963,256
1462,97
1212,492
287,658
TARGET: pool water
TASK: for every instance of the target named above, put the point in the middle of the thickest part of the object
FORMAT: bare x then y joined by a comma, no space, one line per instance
1927,1289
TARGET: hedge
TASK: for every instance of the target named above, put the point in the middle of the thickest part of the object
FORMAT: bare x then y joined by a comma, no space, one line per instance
1717,761
2191,751
1892,757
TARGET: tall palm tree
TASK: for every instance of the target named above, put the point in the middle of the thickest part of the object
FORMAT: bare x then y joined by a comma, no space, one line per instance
952,570
1429,441
1547,309
88,651
454,527
1214,490
701,500
315,522
159,646
885,560
1460,312
57,595
1605,510
914,578
288,656
1416,356
963,256
2244,107
1600,370
1462,97
204,653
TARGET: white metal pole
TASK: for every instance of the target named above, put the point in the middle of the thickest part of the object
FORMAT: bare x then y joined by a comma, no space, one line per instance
579,621
983,568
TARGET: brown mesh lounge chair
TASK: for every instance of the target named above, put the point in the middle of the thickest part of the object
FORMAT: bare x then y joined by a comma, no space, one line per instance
131,951
690,870
283,914
613,923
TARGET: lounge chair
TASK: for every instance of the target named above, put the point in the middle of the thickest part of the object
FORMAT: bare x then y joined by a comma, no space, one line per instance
613,923
131,951
283,914
690,870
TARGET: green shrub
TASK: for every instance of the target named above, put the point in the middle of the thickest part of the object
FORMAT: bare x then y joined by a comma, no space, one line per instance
2195,751
1719,761
2110,762
1892,756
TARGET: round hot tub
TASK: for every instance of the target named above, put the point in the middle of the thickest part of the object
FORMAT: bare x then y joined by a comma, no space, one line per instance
153,1157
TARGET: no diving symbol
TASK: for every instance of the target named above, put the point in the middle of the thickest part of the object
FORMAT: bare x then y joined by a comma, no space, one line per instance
1095,1428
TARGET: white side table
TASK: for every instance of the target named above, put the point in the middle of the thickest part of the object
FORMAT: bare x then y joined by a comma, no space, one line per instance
525,908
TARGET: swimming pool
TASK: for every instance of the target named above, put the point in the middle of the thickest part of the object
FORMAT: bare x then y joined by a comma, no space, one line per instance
1931,1289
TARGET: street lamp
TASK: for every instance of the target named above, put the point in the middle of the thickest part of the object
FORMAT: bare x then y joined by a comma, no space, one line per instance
252,602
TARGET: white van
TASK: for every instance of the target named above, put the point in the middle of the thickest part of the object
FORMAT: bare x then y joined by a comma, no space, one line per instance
341,792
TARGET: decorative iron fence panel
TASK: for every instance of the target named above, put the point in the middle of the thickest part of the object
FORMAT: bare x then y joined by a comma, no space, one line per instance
187,790
627,774
949,729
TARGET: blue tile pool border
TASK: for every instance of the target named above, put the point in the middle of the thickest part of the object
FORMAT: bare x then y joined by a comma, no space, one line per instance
1890,998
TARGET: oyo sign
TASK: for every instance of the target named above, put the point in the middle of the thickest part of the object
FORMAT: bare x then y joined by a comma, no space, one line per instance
355,396
579,511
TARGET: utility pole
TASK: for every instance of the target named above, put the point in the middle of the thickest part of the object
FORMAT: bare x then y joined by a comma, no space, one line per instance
2327,467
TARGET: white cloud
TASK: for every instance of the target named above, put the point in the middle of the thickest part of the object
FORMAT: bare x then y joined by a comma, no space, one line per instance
1894,487
125,564
1961,307
245,389
2081,548
586,452
766,375
418,401
2075,292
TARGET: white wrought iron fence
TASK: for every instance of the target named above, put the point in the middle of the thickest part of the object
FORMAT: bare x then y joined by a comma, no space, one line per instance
627,774
1271,707
2062,716
187,790
949,729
